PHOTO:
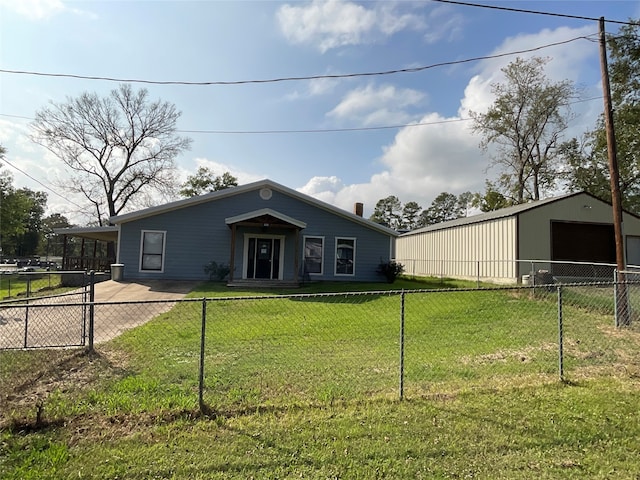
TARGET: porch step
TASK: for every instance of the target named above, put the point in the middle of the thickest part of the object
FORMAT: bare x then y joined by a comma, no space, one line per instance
263,284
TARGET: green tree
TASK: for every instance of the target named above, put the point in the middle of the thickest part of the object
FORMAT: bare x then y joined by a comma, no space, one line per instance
206,181
587,159
28,241
21,212
491,200
50,243
443,208
118,149
410,216
465,202
525,124
388,212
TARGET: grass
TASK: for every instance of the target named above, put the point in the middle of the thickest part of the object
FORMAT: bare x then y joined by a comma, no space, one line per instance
36,284
307,387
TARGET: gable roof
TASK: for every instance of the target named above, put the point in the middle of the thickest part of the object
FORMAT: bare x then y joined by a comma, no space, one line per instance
262,212
501,213
230,192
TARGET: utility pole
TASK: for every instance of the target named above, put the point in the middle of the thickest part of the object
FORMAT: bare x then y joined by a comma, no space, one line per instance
616,200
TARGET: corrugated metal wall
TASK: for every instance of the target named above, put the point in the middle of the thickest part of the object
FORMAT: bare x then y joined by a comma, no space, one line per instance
485,250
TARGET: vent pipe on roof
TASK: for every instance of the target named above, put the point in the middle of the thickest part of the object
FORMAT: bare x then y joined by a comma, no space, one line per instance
358,208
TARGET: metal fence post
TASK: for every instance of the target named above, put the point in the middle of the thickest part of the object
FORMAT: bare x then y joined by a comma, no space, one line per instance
92,296
401,386
26,323
533,274
615,298
201,404
85,307
560,335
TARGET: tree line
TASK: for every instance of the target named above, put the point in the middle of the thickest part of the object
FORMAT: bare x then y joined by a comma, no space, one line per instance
524,131
120,152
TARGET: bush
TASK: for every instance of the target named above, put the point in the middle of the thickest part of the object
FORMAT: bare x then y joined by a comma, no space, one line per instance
391,270
217,271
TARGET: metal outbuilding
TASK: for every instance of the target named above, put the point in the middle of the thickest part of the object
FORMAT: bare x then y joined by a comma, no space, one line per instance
502,245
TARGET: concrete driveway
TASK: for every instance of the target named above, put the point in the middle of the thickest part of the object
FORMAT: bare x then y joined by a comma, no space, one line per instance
152,298
110,291
63,321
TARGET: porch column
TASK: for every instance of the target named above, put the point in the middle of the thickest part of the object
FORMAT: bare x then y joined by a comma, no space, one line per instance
94,262
83,260
296,256
233,252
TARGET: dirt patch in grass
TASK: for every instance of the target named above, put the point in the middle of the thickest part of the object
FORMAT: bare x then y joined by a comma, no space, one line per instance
524,355
68,372
631,332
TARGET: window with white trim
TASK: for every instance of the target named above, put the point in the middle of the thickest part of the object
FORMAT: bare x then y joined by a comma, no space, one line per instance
345,256
152,251
313,255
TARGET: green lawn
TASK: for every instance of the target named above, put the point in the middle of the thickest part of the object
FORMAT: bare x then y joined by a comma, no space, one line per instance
307,387
16,285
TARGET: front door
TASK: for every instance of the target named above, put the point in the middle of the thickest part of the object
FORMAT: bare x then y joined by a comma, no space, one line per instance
263,258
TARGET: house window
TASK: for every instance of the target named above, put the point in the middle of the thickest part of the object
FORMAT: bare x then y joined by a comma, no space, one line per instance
152,251
345,256
313,255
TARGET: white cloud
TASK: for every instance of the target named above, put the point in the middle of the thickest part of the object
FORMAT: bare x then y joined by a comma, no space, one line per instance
314,88
40,9
443,23
425,160
567,61
335,23
422,162
372,105
323,188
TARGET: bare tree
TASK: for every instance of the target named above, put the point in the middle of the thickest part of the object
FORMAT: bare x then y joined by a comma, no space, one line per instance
526,122
118,148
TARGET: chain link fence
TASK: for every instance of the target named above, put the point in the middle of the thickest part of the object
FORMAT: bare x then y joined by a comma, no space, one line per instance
245,352
26,284
525,272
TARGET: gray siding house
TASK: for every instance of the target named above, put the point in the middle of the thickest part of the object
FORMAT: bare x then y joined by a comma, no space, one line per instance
263,231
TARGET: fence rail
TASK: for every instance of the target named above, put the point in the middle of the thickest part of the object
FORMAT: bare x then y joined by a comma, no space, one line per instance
309,348
511,271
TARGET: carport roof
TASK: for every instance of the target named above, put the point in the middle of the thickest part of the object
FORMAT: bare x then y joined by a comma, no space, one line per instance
106,234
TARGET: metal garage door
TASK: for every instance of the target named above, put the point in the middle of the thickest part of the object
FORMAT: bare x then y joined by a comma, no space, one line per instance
583,242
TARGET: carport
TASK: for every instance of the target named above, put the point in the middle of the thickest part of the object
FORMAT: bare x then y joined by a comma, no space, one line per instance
94,254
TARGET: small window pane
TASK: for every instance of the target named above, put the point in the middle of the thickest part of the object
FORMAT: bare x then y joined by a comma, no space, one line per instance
153,242
344,256
152,250
152,262
313,255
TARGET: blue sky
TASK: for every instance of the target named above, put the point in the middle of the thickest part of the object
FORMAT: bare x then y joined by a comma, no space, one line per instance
199,41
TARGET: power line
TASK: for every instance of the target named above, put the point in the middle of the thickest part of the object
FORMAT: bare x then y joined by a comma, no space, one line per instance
323,130
40,183
535,12
291,79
